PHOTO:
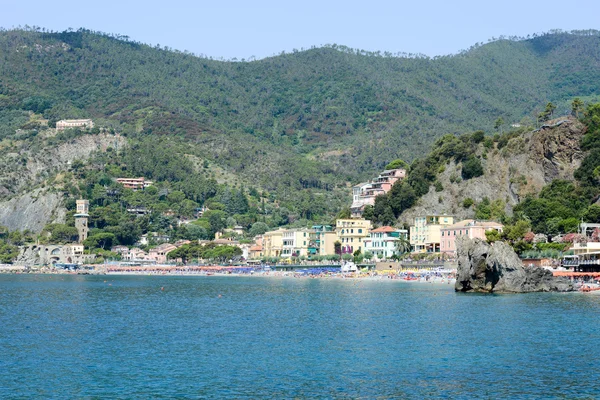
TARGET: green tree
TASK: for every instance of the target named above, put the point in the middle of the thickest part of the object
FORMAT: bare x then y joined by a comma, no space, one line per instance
258,228
102,240
471,168
498,124
398,163
576,107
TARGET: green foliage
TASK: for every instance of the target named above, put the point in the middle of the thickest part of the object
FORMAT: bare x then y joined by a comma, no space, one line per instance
210,251
397,164
493,235
100,240
468,202
61,233
258,228
471,168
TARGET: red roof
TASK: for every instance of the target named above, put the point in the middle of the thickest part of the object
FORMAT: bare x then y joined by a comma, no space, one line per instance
384,229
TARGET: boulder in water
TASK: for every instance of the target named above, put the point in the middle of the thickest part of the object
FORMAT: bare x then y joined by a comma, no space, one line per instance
496,268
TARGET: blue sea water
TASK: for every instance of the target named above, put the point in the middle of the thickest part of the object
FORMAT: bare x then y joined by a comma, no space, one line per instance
144,337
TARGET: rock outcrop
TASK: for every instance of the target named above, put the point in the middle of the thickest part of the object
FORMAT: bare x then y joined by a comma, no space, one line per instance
523,167
496,268
32,211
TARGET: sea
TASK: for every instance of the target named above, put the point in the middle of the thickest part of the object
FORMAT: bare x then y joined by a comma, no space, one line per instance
210,337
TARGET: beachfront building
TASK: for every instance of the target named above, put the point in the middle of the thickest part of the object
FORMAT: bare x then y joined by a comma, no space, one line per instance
351,233
425,234
74,123
159,253
364,194
255,252
295,243
470,228
382,241
322,240
134,183
273,243
51,254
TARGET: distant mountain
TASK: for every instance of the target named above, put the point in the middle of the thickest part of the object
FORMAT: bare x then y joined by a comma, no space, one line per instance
311,119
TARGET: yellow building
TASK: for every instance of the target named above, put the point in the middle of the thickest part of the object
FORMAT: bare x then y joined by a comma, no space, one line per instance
273,243
425,234
351,233
322,240
295,243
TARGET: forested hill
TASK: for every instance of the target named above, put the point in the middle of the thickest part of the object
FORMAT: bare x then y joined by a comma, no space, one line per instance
312,118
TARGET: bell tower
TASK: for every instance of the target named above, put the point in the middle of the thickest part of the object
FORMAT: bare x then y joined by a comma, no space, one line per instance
81,219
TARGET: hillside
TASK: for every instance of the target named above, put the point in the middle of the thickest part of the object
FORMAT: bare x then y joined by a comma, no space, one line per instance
523,167
274,141
326,111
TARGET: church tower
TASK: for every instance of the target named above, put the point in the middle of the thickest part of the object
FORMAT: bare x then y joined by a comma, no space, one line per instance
81,219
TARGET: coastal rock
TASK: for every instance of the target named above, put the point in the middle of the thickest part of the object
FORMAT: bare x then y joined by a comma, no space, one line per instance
496,268
522,167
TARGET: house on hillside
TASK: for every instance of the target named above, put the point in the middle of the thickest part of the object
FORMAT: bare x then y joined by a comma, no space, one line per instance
364,193
134,183
74,123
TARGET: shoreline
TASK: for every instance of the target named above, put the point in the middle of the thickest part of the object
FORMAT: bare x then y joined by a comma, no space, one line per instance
424,276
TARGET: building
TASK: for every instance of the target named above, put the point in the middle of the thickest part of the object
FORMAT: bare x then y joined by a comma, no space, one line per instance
295,243
74,123
159,253
134,183
81,219
57,254
255,252
322,240
468,227
351,233
364,194
382,241
273,243
425,234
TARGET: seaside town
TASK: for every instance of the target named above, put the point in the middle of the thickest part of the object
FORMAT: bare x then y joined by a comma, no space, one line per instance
353,245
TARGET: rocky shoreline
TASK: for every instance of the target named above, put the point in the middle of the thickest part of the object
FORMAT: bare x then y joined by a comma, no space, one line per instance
496,268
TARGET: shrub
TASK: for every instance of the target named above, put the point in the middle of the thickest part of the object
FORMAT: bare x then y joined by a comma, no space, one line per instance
471,168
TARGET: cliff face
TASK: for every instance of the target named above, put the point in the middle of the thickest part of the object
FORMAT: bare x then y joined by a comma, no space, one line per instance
24,203
32,211
523,166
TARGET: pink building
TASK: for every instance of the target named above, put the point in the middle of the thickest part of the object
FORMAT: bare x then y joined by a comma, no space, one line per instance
364,194
159,253
468,227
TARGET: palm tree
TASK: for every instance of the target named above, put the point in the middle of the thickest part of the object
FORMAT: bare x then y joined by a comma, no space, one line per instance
402,245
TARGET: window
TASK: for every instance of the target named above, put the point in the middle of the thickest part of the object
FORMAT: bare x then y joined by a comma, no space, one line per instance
360,231
351,230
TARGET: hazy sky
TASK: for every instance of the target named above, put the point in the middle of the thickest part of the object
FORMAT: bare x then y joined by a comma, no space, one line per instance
234,28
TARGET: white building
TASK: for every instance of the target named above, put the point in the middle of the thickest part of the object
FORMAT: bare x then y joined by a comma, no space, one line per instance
382,241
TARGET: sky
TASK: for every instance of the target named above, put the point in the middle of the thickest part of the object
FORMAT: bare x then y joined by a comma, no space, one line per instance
243,29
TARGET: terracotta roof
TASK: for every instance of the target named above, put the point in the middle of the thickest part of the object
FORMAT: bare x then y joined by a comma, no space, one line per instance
384,229
256,248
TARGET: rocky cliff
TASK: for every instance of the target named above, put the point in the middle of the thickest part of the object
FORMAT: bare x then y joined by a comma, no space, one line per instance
27,201
527,163
496,268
